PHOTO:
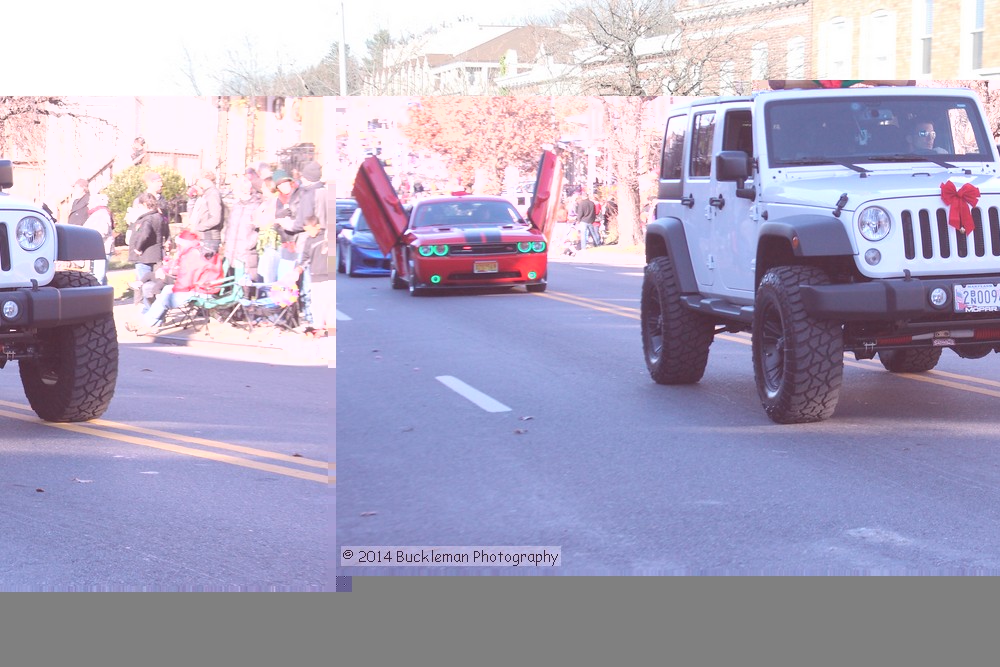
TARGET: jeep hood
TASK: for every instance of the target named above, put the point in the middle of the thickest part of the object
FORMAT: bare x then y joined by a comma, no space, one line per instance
824,192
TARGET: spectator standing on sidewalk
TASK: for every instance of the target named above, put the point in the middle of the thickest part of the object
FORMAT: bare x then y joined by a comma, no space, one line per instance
81,202
318,288
268,240
208,216
286,208
241,231
585,216
99,219
148,232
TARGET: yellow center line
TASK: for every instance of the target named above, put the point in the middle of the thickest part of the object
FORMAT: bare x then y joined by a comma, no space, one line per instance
263,453
177,449
942,378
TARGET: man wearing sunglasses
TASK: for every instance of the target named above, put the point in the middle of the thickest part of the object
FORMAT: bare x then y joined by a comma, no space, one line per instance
921,138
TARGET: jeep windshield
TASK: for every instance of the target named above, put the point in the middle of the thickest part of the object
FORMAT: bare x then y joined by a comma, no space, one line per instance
850,130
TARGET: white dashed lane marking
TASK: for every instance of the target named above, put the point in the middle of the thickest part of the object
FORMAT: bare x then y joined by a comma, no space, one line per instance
487,403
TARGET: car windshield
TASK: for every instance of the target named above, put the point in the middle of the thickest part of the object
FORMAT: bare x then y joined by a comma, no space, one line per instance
869,129
344,210
360,224
465,213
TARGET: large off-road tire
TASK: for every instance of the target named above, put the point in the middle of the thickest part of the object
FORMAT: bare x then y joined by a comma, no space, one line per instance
75,375
798,361
910,361
675,339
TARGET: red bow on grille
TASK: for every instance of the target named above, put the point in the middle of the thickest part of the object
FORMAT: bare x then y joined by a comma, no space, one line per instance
960,202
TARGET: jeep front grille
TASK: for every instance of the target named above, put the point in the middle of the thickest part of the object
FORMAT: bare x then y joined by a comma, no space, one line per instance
4,248
930,237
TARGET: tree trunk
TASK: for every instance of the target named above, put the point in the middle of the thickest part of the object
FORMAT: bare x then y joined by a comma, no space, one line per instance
624,119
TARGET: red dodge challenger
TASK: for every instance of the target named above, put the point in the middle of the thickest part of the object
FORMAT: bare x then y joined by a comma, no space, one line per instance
461,241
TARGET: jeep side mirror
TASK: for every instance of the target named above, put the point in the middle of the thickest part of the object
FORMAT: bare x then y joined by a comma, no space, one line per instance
736,166
6,174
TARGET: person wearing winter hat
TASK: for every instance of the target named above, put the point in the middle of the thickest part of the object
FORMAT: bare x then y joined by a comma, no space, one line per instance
311,201
286,211
312,172
208,217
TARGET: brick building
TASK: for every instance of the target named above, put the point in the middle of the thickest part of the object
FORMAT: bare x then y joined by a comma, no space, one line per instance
905,39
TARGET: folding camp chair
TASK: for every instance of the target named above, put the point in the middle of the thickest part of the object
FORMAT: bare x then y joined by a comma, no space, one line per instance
275,304
220,304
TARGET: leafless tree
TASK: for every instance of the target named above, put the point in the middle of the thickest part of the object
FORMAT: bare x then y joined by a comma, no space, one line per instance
23,122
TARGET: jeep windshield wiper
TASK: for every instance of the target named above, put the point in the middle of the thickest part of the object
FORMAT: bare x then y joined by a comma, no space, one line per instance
912,157
808,161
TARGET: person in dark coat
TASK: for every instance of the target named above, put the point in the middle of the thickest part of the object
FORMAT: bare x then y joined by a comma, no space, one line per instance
586,213
148,232
79,210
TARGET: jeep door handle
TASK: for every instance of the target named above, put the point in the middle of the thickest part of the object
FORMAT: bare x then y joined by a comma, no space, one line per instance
718,202
687,201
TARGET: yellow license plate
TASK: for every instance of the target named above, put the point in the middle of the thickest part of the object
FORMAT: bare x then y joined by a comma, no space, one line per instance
485,267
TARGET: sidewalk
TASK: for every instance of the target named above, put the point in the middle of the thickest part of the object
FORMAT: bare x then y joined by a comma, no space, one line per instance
609,255
265,343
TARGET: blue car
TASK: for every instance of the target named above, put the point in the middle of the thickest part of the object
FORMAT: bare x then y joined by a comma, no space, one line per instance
357,251
345,208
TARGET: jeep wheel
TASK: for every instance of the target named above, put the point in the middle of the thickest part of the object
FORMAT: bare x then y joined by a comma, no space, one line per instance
675,339
74,376
798,361
910,361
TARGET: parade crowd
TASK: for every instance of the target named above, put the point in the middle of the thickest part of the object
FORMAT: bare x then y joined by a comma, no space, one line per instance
269,236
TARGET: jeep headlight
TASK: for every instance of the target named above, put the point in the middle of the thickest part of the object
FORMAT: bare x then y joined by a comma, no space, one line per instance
874,223
30,232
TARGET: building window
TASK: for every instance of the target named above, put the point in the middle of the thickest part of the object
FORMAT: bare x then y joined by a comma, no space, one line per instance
878,46
923,12
979,23
758,61
838,49
796,63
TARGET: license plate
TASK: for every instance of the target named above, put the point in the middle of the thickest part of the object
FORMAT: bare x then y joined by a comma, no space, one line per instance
485,267
977,298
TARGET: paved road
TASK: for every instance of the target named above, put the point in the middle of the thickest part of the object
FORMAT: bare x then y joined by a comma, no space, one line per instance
584,452
210,471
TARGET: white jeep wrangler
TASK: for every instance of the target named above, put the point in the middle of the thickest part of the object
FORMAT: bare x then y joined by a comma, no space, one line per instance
864,220
58,325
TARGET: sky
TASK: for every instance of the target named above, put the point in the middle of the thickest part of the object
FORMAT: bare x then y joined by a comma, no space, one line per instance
363,18
94,48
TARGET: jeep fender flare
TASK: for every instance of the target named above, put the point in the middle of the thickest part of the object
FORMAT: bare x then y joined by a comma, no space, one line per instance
666,237
78,243
801,236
